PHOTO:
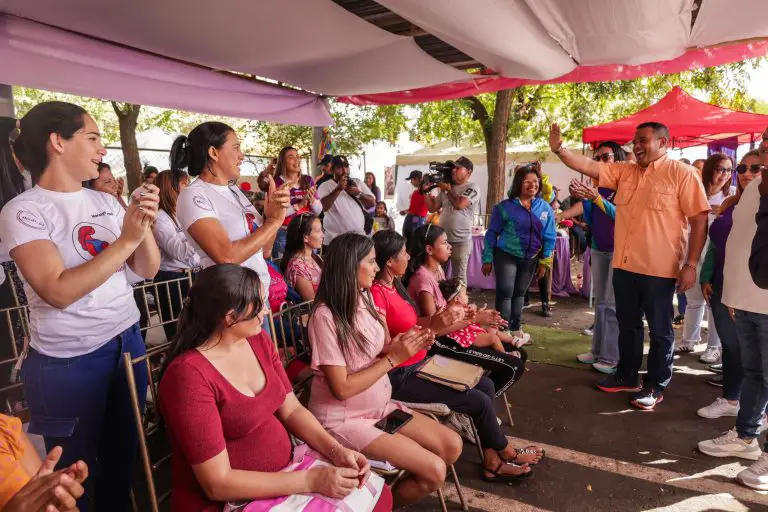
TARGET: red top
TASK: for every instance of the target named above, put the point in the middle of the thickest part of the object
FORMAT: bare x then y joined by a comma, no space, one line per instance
205,414
399,314
418,205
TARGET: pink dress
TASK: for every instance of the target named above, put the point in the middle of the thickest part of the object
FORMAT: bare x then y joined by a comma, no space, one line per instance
350,421
466,336
424,280
297,268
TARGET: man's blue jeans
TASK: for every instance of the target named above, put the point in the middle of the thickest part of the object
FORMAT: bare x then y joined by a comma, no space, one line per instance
752,332
83,404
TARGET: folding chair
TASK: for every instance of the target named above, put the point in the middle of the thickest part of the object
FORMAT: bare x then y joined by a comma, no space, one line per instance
290,335
169,296
14,326
154,448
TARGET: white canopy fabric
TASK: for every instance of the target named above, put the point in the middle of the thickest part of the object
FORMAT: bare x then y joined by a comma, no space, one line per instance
323,48
313,44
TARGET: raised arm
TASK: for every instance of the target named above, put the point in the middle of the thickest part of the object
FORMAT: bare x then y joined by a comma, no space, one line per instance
575,161
573,211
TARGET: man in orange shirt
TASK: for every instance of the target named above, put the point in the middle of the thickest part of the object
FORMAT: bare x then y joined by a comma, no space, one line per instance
656,198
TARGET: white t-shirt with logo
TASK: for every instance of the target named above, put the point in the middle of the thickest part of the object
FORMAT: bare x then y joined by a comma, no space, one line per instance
345,215
80,224
235,213
739,289
176,251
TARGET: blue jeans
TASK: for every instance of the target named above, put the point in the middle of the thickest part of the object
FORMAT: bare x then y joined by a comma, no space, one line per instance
682,302
83,405
411,224
605,336
752,332
637,294
278,248
726,328
513,277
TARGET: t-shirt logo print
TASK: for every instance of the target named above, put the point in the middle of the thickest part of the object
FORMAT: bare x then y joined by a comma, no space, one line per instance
250,222
90,239
30,219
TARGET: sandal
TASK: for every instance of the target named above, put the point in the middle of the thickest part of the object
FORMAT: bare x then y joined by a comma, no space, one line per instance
526,450
499,477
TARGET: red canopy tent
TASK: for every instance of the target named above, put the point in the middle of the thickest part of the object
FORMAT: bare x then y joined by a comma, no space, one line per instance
691,122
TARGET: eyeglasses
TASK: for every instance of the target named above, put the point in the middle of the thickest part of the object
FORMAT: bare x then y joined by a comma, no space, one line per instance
605,157
754,168
724,170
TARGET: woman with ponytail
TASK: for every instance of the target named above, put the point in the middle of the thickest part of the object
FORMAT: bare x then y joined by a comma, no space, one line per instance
230,407
177,256
73,247
221,223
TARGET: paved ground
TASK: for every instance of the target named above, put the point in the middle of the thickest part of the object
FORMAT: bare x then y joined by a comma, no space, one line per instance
604,455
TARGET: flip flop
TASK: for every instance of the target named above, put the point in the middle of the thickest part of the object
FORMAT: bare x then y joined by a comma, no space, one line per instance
499,477
527,449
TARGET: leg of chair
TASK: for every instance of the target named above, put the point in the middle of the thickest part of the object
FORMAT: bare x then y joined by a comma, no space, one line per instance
477,440
442,500
509,409
459,490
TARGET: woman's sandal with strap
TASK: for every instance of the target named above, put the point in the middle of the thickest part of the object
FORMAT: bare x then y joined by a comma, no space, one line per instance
526,450
499,477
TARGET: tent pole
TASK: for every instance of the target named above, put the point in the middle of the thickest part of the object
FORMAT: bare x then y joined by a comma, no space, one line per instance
6,101
751,141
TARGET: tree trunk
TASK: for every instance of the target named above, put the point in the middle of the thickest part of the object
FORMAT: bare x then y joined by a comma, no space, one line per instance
128,116
496,148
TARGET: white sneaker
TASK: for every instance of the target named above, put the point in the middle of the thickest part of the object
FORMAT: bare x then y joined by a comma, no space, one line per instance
711,355
586,358
717,409
587,331
606,368
521,338
756,475
685,347
729,445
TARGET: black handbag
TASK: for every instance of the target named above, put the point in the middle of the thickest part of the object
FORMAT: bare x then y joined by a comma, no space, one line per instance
368,224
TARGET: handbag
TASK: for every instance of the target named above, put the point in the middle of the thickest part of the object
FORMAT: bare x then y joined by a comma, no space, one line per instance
368,218
304,458
452,373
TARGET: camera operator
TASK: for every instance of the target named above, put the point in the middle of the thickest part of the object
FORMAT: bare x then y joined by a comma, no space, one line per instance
458,200
344,201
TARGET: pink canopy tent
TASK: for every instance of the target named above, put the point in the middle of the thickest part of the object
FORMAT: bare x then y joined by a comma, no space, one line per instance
691,122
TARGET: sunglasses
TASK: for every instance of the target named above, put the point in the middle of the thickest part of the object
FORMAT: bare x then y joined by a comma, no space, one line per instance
605,157
754,168
724,170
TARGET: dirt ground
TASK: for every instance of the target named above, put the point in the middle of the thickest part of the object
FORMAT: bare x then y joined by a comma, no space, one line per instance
603,455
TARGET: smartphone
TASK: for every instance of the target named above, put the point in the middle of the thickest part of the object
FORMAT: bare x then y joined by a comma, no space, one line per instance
394,421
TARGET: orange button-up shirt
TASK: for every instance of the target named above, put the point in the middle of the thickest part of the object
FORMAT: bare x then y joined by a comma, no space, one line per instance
653,205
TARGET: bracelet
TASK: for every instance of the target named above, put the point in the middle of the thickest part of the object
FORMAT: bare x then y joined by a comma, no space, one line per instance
691,266
391,363
559,149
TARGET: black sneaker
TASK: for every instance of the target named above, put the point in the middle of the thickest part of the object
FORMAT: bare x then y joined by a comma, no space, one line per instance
717,368
678,320
647,398
546,310
716,381
615,383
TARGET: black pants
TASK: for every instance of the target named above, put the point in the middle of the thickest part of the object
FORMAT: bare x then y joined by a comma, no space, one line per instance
143,305
637,294
169,298
477,402
504,369
726,329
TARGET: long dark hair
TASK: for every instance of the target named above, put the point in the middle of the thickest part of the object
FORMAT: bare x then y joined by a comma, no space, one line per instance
708,172
339,290
520,173
280,166
31,146
374,187
426,235
388,244
217,290
191,151
148,171
169,182
11,180
619,155
299,227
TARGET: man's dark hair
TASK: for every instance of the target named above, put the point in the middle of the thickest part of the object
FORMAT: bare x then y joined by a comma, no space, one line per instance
659,130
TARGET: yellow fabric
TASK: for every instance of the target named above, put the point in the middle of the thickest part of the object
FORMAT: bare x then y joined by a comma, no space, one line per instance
546,188
12,475
652,208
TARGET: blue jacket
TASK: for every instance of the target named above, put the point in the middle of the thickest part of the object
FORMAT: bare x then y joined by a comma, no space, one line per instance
519,232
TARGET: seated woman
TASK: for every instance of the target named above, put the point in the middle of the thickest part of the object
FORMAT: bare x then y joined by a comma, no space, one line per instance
455,294
301,265
351,355
429,251
29,484
401,315
230,408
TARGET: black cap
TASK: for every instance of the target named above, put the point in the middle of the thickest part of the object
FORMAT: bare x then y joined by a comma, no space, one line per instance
463,162
327,158
339,161
414,174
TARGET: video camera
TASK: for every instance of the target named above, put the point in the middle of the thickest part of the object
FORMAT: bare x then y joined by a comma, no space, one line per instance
439,172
